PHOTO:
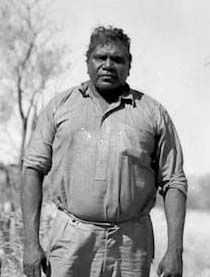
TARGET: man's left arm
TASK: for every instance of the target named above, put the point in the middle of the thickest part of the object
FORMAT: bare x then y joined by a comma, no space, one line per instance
173,186
175,209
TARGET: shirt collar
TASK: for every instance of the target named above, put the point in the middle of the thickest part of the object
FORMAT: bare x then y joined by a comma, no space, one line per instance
127,96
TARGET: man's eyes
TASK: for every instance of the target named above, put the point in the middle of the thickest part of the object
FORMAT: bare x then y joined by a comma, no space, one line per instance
101,57
116,59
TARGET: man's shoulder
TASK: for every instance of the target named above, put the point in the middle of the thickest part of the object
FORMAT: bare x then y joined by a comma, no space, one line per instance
62,97
142,98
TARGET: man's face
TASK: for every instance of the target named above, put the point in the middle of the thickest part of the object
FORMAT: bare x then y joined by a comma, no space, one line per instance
108,66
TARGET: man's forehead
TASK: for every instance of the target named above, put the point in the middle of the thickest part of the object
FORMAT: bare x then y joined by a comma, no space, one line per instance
112,47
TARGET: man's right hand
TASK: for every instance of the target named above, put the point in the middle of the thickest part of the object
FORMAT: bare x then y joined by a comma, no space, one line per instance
34,260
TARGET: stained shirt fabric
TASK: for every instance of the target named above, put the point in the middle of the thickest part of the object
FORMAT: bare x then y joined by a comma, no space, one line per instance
106,165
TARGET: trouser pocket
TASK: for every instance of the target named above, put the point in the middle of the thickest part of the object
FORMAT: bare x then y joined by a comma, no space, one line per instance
57,232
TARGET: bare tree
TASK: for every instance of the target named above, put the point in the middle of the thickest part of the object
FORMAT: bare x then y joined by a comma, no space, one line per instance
30,58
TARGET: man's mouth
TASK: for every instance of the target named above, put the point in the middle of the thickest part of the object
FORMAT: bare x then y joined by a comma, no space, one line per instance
107,76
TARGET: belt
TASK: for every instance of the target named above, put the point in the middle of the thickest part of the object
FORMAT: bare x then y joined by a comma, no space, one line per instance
97,223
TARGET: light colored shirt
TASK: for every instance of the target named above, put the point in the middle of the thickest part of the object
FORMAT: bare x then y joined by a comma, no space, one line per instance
106,166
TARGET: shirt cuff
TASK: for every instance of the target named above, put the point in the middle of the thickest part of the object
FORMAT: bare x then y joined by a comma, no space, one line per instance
182,187
41,167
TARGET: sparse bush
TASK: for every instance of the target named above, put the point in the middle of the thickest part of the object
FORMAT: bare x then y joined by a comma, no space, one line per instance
11,238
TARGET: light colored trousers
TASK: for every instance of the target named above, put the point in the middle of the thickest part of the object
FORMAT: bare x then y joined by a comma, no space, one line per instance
78,249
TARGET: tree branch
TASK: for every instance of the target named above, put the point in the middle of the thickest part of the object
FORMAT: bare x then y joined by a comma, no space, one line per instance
19,81
31,105
28,54
20,92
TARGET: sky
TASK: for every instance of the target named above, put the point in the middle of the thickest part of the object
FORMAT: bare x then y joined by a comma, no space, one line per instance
170,44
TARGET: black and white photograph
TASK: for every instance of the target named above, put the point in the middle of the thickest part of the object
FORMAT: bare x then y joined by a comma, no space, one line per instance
104,138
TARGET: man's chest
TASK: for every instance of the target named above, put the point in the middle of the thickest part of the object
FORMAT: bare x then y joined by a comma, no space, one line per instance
120,127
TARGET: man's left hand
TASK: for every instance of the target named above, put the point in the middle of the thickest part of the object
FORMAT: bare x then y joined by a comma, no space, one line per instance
171,264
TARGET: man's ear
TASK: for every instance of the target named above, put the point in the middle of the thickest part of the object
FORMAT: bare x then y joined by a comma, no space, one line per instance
87,61
129,68
130,61
129,64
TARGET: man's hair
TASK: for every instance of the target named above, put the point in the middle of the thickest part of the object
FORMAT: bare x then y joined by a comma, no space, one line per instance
104,35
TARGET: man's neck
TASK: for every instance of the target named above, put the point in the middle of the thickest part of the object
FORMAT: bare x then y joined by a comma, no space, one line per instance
110,96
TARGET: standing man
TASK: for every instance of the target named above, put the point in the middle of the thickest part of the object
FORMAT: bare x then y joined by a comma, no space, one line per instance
108,149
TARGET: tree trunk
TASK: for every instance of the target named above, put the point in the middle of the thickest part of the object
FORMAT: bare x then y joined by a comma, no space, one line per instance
23,140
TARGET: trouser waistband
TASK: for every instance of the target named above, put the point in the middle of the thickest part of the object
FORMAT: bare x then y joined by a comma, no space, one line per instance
100,224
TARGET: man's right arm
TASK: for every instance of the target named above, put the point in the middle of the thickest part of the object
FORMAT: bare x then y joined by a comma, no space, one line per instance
31,198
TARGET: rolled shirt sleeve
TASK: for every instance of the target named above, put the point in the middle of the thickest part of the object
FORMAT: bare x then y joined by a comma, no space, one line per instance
169,156
39,152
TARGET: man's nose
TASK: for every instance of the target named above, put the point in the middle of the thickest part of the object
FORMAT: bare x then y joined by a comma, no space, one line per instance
108,63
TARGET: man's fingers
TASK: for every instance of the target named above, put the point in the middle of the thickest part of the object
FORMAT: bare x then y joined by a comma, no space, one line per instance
37,272
159,270
28,271
32,271
34,262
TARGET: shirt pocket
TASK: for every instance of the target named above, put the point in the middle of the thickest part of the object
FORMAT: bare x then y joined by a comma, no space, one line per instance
133,142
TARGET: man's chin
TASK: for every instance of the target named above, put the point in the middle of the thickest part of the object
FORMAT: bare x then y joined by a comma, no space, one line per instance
106,86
